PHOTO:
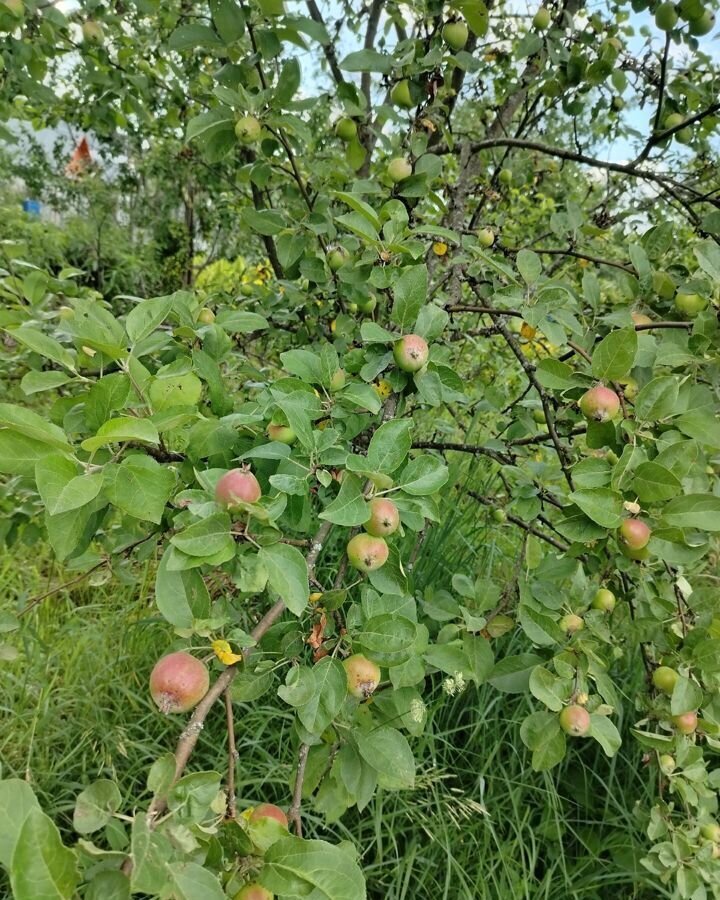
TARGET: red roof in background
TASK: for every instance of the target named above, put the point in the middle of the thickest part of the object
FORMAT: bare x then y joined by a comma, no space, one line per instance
80,159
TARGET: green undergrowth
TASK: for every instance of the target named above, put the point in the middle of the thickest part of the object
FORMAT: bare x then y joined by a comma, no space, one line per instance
479,824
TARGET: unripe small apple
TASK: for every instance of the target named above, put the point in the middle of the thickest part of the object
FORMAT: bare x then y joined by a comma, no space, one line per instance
640,319
486,237
92,32
237,486
269,811
575,721
664,678
703,25
674,119
617,103
178,682
337,380
399,169
499,515
666,16
367,306
571,623
367,553
16,7
400,94
690,304
248,130
410,353
283,434
455,34
505,177
542,19
539,416
667,763
686,723
663,285
363,675
600,403
253,891
65,313
604,600
384,518
346,129
634,534
337,258
206,316
711,832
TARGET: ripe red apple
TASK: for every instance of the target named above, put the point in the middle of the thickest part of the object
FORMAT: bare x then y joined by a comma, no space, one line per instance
92,32
604,600
571,623
599,403
666,16
253,891
634,534
346,129
411,353
283,434
667,763
363,675
178,682
542,19
664,679
486,237
248,130
269,811
455,34
367,553
400,94
206,316
384,518
337,258
237,485
686,723
399,169
575,721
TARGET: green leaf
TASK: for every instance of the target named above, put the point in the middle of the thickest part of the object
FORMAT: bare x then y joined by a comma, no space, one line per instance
237,321
367,61
293,867
146,316
601,505
363,395
512,674
105,396
287,575
653,482
700,511
387,638
180,596
708,255
349,507
389,446
548,689
328,696
33,382
120,430
605,733
658,399
188,37
358,225
150,852
42,868
191,881
423,475
265,221
541,733
387,751
17,800
95,805
360,206
43,344
555,375
205,538
615,355
686,696
529,266
228,19
409,293
140,487
28,423
61,488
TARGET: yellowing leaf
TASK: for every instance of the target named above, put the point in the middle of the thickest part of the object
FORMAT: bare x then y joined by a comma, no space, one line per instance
224,653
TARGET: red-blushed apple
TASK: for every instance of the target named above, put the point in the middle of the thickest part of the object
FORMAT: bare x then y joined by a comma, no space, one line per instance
686,723
571,623
367,553
178,682
283,434
363,675
269,811
399,169
410,353
237,486
600,403
575,721
634,533
664,679
604,600
253,891
384,518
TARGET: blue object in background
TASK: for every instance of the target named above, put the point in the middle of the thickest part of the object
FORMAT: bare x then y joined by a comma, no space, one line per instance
32,208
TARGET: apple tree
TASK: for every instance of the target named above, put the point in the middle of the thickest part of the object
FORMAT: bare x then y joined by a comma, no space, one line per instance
459,264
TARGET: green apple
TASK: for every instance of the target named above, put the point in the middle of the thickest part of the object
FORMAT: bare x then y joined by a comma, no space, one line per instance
486,237
346,129
248,130
505,177
399,169
666,16
702,25
455,34
92,32
400,94
541,19
690,304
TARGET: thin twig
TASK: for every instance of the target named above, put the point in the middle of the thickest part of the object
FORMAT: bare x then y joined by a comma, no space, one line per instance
232,757
294,811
